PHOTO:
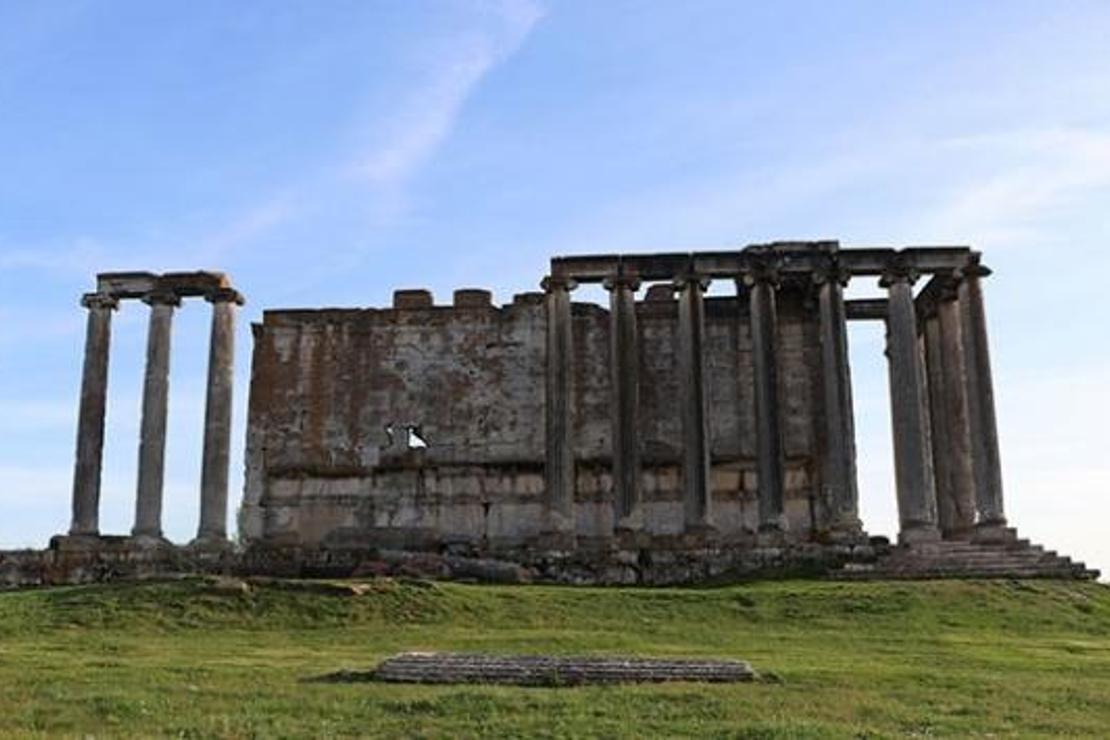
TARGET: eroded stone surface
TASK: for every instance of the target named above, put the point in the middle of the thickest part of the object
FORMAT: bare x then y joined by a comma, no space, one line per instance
694,435
542,670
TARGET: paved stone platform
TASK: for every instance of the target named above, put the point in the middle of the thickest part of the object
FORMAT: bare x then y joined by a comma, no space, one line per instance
541,670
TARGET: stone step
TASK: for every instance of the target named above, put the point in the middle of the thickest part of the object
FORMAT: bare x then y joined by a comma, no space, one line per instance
970,575
1012,558
978,559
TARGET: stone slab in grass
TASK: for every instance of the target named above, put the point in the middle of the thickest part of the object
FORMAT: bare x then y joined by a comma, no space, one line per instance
542,670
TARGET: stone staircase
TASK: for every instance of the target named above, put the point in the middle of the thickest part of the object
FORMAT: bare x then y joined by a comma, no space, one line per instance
1011,558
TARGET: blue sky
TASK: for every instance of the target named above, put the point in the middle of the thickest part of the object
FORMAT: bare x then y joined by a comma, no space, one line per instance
324,153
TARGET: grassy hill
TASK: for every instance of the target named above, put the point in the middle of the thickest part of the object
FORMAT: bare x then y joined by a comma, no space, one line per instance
198,658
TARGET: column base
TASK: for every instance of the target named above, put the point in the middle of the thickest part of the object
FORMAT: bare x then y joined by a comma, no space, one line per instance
211,543
634,522
961,534
147,541
770,536
846,534
84,542
559,532
918,534
775,523
994,532
699,535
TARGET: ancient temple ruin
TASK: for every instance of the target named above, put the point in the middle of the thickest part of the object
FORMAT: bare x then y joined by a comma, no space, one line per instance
666,422
673,436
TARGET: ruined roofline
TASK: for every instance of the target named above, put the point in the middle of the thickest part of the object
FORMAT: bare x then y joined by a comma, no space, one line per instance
793,261
785,257
200,283
410,299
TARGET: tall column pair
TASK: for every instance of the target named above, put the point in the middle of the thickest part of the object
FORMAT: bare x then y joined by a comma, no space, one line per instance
964,427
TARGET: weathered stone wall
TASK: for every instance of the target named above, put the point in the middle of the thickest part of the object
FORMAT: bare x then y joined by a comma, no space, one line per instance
333,393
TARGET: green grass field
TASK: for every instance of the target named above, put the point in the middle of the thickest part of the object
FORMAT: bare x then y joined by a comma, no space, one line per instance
197,658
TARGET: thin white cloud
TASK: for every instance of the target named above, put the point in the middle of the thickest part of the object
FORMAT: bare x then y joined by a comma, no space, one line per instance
1037,171
400,145
404,142
245,227
81,257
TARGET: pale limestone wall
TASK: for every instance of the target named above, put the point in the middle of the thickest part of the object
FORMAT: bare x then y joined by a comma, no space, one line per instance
321,467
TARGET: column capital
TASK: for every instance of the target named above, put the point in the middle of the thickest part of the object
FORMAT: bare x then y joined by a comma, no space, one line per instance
973,268
949,286
100,300
762,272
612,282
898,272
687,279
225,295
831,272
162,298
551,283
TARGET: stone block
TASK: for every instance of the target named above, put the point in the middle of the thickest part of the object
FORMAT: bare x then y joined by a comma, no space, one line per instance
473,298
412,298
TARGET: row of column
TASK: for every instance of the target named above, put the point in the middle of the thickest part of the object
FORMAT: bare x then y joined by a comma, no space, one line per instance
947,467
760,285
152,437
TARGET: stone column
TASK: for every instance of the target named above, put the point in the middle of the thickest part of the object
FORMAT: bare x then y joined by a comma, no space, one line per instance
917,505
696,489
986,462
940,425
624,365
762,283
90,420
559,467
958,434
839,464
152,434
217,417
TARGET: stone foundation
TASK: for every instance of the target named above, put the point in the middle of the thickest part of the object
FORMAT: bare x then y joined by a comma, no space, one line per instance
542,670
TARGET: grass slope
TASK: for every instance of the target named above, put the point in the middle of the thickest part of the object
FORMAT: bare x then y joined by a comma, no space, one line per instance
196,659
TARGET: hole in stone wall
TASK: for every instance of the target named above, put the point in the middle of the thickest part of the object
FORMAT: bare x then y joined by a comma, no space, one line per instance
416,440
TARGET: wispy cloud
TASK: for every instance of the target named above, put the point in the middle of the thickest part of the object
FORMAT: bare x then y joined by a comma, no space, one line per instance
395,147
1036,172
245,227
80,257
403,142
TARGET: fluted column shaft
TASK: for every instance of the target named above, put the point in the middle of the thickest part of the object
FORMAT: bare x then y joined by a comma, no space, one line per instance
940,425
960,517
692,397
839,464
986,462
769,449
217,417
90,420
152,435
559,467
624,366
917,506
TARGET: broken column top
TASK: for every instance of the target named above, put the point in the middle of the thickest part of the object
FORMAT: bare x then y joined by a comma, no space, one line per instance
181,284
